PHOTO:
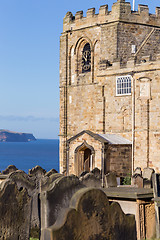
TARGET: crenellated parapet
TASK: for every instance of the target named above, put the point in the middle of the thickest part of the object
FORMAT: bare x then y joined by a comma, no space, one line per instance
121,11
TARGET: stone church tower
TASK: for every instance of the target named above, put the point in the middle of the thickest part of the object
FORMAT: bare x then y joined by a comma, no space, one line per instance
110,90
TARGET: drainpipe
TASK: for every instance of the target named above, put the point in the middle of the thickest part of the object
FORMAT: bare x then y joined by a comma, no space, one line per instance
102,164
133,123
65,111
67,172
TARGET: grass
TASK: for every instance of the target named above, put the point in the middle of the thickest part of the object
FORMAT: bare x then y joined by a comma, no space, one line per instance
127,180
34,239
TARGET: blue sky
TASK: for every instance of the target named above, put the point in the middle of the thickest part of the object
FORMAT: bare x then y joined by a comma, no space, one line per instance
29,61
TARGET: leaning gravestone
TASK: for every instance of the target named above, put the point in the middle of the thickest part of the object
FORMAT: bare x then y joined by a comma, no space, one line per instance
15,212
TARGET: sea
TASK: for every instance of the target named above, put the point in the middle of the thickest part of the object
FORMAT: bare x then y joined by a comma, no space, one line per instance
26,155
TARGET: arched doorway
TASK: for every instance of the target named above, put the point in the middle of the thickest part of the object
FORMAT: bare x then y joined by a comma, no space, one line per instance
84,158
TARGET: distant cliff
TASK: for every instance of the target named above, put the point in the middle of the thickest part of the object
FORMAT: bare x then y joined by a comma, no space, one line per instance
9,136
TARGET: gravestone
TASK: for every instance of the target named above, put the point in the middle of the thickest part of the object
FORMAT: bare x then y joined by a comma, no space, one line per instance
52,171
137,171
47,182
96,172
147,173
137,181
23,181
90,180
15,212
56,198
147,177
90,216
110,180
9,169
37,171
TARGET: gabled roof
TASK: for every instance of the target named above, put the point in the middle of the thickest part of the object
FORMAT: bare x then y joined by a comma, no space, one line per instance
94,135
104,138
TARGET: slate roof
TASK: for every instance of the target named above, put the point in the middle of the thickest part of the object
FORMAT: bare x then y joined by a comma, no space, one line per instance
104,138
115,139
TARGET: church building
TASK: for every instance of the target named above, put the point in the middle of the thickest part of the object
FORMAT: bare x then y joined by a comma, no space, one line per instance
110,90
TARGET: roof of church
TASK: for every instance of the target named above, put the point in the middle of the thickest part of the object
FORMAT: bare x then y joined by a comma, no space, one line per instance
104,138
115,139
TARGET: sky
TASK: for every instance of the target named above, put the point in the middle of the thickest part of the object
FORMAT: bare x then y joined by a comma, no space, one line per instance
29,61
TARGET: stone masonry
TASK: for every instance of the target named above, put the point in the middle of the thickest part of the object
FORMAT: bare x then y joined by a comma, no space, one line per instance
122,43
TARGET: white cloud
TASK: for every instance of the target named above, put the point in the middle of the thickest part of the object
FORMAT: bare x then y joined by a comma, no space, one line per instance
27,118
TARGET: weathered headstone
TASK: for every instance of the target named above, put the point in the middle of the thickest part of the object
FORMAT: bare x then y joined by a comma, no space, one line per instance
47,182
15,212
96,172
23,181
137,171
91,217
37,171
56,199
147,173
147,177
9,169
110,180
90,180
137,181
52,171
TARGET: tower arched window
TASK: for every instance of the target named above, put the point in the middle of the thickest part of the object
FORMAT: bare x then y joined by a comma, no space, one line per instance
86,58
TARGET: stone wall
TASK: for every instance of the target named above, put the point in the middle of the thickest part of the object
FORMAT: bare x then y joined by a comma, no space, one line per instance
118,160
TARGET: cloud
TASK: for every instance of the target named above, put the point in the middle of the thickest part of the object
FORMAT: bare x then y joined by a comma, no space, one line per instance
27,118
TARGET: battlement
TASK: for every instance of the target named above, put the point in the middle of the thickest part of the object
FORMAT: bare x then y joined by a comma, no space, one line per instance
121,11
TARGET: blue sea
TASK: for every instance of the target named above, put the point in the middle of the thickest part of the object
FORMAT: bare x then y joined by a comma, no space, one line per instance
26,155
